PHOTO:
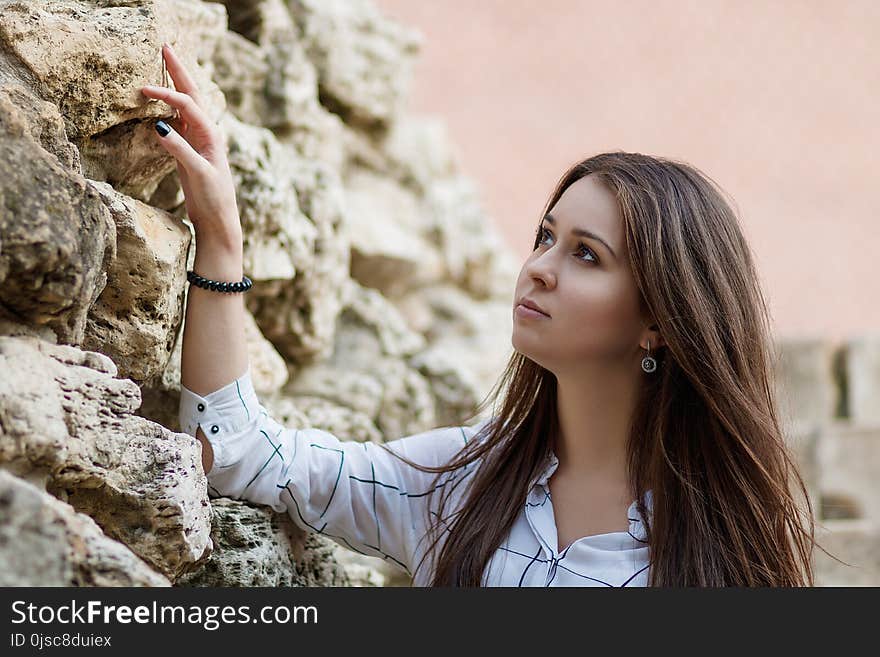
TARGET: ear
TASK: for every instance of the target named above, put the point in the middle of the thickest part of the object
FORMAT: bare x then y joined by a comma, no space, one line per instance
652,334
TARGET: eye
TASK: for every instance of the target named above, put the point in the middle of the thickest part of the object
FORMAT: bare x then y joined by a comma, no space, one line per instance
582,248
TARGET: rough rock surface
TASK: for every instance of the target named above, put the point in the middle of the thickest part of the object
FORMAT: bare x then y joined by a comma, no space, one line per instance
56,235
67,423
45,542
132,320
254,546
364,61
116,43
336,189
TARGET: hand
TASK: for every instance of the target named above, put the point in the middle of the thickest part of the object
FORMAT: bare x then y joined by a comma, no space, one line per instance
200,151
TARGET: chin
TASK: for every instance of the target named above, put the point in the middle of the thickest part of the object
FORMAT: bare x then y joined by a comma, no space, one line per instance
535,349
523,349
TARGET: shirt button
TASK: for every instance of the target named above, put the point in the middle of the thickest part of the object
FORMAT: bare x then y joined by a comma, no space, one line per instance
201,407
215,429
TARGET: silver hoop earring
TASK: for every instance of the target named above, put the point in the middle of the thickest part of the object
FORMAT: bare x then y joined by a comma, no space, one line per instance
649,364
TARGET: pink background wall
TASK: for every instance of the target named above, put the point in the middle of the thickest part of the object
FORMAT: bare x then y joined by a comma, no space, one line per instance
777,101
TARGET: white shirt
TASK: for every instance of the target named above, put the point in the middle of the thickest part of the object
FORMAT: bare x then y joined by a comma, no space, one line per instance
368,501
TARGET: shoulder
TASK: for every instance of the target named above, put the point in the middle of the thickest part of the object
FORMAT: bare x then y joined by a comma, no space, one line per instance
440,445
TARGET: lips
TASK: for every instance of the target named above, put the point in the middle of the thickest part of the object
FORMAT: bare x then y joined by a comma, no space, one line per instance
528,303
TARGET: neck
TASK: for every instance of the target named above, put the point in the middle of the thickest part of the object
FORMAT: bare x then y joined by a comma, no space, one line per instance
595,412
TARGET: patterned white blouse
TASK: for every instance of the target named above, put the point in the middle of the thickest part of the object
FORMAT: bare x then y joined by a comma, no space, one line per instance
368,501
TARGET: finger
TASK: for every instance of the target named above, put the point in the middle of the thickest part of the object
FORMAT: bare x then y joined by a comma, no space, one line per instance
180,148
183,81
192,114
178,124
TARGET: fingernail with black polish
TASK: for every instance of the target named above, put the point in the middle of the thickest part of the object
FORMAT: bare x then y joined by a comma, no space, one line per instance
162,128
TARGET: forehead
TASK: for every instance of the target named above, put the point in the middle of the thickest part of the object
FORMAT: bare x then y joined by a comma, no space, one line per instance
588,203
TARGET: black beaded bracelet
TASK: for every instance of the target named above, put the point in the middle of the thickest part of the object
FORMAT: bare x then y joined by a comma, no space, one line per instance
219,286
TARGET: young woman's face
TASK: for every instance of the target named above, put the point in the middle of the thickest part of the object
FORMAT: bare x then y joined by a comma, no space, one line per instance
585,288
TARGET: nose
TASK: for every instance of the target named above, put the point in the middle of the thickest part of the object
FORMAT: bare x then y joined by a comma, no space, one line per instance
542,269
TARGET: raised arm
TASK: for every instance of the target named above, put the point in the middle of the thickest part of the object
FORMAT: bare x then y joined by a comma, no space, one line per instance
357,494
214,351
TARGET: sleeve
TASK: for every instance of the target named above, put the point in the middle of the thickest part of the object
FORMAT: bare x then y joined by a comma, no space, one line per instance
354,493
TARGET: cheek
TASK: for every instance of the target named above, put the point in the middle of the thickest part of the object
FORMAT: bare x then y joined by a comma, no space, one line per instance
598,301
600,313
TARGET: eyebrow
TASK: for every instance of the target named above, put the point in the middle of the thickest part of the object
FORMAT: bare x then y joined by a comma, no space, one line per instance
582,232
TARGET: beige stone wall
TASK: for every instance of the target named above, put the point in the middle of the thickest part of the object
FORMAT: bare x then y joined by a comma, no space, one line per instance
370,317
828,395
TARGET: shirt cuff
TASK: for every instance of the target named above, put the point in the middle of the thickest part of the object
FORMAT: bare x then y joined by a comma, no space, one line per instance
224,415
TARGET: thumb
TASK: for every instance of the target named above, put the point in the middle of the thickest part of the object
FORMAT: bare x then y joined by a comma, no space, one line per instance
178,147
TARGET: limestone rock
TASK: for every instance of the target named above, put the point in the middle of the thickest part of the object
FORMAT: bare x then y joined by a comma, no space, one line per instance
294,248
45,542
321,555
381,369
255,546
285,410
363,570
12,328
803,440
364,59
454,388
168,196
370,325
368,369
473,253
241,71
66,421
135,319
407,402
262,22
379,408
38,120
338,419
269,81
92,58
862,379
857,543
479,358
278,237
56,235
358,390
295,409
473,334
418,151
804,380
387,226
268,369
848,456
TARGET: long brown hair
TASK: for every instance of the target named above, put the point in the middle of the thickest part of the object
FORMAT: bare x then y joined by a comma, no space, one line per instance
705,438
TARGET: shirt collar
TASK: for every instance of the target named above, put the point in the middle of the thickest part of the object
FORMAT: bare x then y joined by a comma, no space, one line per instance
550,466
636,521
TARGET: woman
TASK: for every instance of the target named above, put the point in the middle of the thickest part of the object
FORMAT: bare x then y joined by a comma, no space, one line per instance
637,439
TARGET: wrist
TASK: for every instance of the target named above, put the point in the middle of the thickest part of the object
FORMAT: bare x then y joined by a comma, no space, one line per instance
228,242
219,264
225,234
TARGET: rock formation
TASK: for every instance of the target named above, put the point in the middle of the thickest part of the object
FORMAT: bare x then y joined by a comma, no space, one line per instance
353,214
